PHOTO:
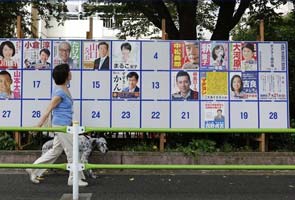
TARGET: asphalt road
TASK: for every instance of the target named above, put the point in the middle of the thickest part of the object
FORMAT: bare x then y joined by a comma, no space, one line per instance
138,186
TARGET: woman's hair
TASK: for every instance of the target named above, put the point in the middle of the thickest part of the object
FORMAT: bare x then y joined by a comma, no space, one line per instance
249,46
232,81
60,73
126,45
214,56
9,44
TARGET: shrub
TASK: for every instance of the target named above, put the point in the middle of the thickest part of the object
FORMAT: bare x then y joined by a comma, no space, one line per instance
198,146
6,142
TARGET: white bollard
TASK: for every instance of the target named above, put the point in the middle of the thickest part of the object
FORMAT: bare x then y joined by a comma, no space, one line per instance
75,164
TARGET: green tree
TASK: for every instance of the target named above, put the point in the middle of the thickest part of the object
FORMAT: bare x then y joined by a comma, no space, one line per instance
9,10
182,16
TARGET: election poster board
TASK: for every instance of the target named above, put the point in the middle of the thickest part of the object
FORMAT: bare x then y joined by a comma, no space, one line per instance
149,84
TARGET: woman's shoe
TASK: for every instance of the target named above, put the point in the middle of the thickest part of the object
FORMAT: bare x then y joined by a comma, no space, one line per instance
33,177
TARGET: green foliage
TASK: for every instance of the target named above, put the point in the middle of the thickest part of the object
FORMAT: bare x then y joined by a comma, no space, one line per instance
132,16
282,142
137,29
276,27
243,32
198,146
6,142
9,10
48,10
264,9
142,146
228,147
138,18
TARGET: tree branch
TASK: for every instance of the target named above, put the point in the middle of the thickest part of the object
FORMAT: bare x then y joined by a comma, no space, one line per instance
239,13
163,12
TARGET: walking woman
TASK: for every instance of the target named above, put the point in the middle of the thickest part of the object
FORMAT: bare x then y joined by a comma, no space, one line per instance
61,107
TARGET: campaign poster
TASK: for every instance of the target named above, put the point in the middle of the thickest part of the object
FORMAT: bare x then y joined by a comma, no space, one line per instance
125,84
185,85
214,114
272,86
36,54
10,54
272,56
243,85
214,85
126,55
96,55
67,52
11,86
243,56
185,55
214,56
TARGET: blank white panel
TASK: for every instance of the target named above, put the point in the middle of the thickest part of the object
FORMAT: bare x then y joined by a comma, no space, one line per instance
125,114
10,113
33,110
184,114
155,55
155,114
244,115
155,85
36,84
96,85
96,113
273,115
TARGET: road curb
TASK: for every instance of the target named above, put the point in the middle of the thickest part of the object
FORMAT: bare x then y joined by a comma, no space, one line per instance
124,157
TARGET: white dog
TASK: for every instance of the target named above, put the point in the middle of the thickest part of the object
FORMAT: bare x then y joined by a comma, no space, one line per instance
86,146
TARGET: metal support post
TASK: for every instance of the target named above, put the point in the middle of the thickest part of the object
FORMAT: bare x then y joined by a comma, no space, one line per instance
75,167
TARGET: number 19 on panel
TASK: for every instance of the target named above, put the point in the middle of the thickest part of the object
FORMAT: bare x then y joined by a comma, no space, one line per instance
244,115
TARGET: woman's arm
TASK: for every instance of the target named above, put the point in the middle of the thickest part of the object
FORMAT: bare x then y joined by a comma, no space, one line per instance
53,103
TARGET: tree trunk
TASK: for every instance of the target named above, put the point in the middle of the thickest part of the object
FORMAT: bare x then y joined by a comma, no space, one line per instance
227,20
222,28
187,20
155,11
